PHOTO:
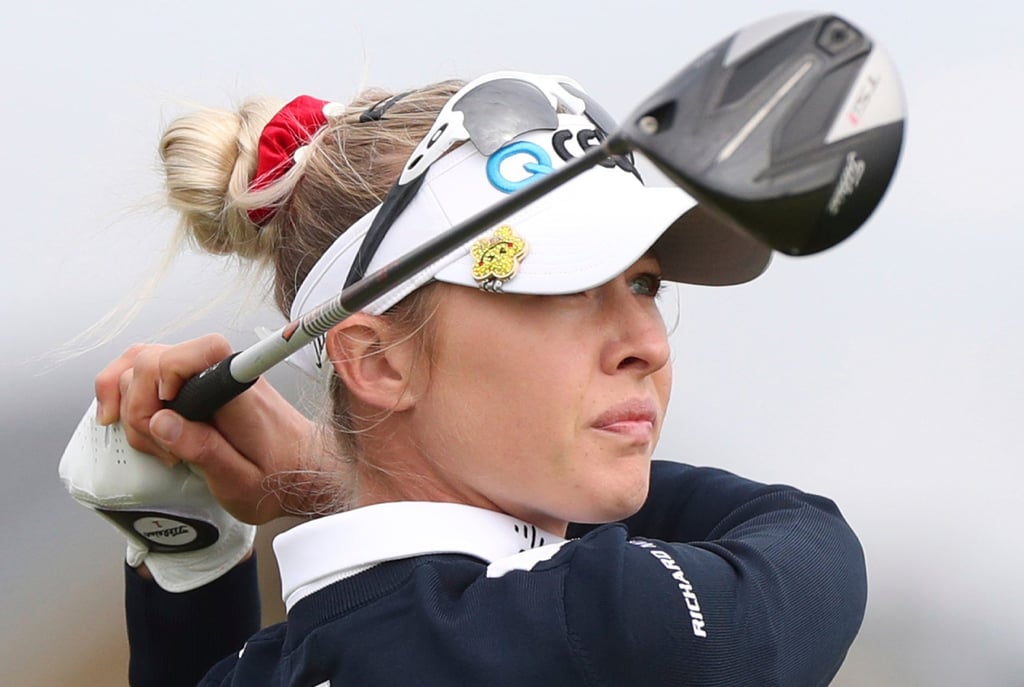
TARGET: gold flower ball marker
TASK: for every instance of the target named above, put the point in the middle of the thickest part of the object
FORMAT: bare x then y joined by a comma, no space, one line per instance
496,258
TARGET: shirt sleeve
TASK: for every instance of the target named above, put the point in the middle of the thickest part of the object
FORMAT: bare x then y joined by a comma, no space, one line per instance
174,639
717,580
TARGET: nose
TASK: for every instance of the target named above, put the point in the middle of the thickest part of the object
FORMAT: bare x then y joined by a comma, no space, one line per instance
637,340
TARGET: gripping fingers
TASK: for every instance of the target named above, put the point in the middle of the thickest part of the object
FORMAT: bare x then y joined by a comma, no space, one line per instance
178,364
110,384
134,387
139,402
234,480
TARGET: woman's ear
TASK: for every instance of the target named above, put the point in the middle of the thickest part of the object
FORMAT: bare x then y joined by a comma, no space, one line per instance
373,366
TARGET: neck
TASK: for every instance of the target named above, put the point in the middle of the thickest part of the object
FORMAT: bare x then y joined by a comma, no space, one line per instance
396,479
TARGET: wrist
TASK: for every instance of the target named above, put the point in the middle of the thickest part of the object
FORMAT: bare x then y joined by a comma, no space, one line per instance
143,571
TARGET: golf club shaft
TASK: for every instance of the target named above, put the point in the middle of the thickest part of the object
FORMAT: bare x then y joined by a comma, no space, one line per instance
204,393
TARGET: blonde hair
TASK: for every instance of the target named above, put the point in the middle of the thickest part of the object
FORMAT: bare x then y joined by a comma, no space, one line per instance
210,158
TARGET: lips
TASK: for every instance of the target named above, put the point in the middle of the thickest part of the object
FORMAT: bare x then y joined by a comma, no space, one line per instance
634,419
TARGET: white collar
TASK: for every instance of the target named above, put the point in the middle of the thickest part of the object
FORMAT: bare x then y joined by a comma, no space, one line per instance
318,553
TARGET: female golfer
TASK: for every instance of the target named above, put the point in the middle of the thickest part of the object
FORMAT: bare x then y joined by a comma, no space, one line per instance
487,508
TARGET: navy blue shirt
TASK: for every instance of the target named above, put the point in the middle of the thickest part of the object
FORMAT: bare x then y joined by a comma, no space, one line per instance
717,580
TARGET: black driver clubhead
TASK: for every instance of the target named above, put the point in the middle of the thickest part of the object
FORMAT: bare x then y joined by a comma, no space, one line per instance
790,128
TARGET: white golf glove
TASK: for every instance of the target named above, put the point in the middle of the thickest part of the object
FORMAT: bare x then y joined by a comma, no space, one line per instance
171,520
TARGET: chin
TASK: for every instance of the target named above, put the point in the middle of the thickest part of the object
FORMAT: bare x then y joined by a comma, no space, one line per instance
616,498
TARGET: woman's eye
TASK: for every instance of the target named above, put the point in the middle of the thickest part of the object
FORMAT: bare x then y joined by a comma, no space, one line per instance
646,284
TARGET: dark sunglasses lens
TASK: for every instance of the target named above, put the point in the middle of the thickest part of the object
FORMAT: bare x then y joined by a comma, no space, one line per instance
497,111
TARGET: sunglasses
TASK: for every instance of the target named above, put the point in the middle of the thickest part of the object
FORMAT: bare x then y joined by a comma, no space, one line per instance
488,112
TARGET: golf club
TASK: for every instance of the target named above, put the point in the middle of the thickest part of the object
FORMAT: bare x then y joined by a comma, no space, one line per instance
790,129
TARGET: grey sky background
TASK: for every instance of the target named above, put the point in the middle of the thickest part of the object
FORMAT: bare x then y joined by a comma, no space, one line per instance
884,373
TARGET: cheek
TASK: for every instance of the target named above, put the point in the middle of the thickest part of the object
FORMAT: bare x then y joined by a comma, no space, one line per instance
492,390
501,422
512,363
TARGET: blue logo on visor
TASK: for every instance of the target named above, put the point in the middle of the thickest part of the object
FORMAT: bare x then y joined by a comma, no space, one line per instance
539,164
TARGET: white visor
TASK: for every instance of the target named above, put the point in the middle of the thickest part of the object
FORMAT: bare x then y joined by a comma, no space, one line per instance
577,237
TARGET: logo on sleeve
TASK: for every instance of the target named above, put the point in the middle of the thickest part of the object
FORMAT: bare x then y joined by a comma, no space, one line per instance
685,588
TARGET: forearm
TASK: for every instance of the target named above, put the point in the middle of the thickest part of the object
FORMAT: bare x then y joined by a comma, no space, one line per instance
175,638
763,584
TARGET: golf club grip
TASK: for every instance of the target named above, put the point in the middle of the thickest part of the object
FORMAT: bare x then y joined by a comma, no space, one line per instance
201,396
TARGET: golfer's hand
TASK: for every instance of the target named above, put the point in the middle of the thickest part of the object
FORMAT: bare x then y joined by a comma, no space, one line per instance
245,452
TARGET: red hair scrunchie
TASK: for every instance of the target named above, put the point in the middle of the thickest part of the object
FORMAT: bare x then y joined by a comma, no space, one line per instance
287,131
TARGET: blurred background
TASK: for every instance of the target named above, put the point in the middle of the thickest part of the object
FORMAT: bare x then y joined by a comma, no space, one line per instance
885,373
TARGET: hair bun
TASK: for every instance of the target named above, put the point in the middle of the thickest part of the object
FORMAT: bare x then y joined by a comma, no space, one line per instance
209,157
